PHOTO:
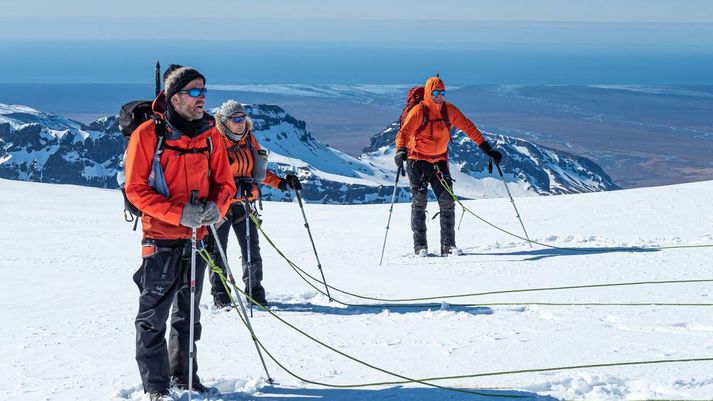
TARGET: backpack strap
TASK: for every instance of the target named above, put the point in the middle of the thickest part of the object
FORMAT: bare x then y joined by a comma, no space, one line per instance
426,120
249,141
160,134
209,140
444,116
183,151
446,120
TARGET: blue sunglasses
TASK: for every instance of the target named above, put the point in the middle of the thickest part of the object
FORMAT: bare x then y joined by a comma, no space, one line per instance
238,120
437,92
195,92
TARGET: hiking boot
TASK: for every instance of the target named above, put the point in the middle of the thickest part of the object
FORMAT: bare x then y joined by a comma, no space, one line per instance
258,296
420,250
222,304
160,396
447,250
221,299
205,390
198,387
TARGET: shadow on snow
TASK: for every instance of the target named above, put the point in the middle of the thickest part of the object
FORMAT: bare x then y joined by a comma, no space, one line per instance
391,393
375,309
537,254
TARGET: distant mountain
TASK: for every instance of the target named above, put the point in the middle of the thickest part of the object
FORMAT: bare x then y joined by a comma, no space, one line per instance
36,146
534,168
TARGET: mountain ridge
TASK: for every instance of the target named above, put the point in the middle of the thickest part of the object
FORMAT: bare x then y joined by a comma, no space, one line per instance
37,146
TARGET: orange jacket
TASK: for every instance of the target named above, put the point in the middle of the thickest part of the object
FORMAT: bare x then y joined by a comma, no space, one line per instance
241,157
184,173
241,161
431,143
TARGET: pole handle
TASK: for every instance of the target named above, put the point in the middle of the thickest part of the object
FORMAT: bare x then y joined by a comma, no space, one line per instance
299,197
499,170
194,197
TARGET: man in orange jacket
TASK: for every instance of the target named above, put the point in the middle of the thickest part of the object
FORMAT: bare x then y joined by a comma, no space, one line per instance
159,183
422,141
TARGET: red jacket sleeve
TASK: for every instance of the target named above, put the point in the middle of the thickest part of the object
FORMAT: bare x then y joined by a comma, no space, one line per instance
139,155
272,179
461,122
222,185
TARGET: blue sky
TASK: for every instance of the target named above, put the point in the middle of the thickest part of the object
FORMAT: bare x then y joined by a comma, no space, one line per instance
445,21
361,41
474,10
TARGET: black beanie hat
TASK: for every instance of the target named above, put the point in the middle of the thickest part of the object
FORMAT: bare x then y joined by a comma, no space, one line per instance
177,76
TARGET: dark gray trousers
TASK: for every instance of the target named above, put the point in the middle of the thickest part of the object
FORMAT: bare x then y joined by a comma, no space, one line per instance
163,280
253,276
421,174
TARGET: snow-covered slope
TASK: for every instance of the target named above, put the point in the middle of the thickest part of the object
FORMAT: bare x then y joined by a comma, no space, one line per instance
68,301
328,175
40,147
36,146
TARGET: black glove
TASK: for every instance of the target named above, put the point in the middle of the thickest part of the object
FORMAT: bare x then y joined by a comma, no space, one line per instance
289,182
400,156
244,188
492,153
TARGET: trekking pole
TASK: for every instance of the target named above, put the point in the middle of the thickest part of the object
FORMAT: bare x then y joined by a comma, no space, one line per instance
461,218
319,264
194,201
223,256
249,261
399,171
513,201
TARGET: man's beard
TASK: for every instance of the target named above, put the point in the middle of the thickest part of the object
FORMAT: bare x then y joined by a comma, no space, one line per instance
195,113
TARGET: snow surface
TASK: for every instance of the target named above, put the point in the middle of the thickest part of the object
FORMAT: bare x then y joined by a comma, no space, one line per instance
68,300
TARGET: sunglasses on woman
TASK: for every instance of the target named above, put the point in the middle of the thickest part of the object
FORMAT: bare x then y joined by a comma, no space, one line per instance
195,92
238,120
437,92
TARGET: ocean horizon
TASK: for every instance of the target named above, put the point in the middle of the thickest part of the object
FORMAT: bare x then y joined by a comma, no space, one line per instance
279,62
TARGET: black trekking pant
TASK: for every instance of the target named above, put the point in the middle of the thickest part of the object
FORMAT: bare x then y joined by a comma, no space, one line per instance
420,174
252,276
163,280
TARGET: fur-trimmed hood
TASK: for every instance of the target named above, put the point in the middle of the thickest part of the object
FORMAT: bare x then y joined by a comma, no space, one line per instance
225,131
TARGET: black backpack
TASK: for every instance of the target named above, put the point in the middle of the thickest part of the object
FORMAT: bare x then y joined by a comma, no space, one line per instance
132,115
